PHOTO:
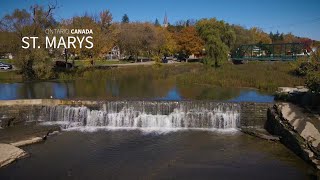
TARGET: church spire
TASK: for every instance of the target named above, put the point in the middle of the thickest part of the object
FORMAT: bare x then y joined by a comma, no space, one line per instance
165,20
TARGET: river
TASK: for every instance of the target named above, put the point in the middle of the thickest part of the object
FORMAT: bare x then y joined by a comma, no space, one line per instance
127,89
134,154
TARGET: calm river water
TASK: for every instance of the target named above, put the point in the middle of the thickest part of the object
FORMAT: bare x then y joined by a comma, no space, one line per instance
174,155
126,89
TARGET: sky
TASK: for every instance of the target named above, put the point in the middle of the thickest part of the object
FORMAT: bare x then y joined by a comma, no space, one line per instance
300,17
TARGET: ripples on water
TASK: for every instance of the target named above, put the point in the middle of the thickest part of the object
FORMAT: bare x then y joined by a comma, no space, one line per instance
189,154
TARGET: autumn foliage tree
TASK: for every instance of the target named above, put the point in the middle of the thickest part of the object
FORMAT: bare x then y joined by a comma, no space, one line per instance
137,39
189,42
258,36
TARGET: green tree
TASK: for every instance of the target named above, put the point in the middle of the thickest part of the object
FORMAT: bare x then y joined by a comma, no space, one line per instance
125,18
218,37
243,36
156,23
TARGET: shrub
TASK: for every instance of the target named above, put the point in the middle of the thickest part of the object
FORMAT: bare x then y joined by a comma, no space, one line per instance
35,64
313,82
307,67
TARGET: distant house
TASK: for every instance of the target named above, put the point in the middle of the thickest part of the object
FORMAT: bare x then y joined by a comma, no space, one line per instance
314,49
114,53
6,56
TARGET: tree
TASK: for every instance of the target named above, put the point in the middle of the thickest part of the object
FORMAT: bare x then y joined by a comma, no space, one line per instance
189,42
33,63
243,36
169,45
289,38
307,43
259,36
139,38
105,19
125,18
104,33
216,51
276,38
218,37
156,23
18,24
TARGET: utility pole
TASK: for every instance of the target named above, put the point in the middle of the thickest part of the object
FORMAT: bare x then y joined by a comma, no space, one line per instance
66,57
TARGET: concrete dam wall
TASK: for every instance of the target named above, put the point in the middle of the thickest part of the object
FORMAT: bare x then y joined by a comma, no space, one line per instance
135,114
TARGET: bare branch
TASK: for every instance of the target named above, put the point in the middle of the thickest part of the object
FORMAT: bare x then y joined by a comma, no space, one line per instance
51,7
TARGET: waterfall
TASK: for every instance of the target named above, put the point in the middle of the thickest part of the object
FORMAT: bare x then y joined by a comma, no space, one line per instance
146,114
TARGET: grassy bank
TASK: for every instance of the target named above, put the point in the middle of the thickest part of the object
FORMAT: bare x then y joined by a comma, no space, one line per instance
10,76
97,62
8,61
266,76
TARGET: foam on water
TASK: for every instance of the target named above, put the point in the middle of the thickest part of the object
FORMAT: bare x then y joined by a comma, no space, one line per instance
146,116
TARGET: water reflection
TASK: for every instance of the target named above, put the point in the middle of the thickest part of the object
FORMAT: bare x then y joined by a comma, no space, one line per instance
173,95
258,97
129,88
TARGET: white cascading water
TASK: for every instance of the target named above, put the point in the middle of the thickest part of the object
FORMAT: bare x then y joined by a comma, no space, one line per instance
144,114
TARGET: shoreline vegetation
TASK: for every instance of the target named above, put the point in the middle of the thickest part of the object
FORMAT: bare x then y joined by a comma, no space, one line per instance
265,76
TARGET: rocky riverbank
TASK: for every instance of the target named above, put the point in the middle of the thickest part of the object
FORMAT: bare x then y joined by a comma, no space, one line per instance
13,138
298,129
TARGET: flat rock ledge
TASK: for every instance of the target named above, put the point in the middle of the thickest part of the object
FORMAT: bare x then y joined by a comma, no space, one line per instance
28,141
10,153
298,129
259,133
14,137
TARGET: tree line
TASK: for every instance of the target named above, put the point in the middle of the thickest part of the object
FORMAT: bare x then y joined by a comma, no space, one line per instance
209,38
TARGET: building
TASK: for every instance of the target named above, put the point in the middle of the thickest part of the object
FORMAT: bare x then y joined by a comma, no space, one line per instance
165,21
6,56
114,53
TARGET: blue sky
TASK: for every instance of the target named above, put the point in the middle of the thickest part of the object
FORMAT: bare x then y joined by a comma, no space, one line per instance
301,17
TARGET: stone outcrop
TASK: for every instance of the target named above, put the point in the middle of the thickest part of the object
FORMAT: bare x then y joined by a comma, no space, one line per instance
25,142
13,137
26,134
9,154
298,129
299,95
260,133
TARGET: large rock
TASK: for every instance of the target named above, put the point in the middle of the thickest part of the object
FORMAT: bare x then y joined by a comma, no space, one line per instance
26,134
10,153
297,129
290,90
303,122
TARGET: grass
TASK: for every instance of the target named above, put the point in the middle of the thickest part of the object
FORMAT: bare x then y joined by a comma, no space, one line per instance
10,76
266,76
8,61
97,62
